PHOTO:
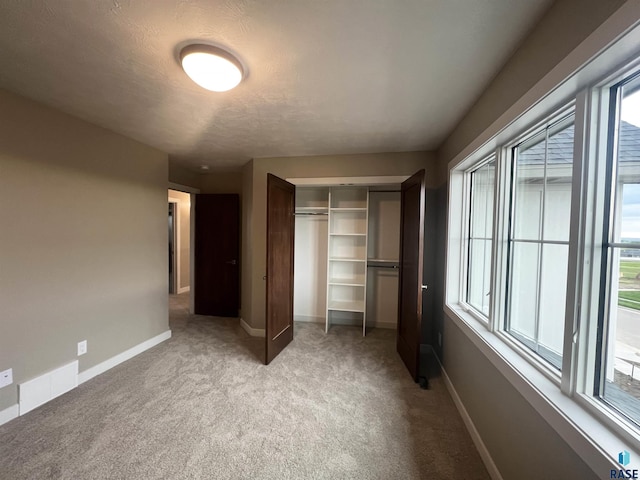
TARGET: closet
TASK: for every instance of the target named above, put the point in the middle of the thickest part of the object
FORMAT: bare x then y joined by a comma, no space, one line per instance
346,255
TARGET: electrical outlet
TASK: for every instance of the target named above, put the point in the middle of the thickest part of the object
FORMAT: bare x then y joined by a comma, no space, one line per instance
82,347
6,378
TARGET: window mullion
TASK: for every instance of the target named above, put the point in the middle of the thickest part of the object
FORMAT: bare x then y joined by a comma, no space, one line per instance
577,259
541,230
500,236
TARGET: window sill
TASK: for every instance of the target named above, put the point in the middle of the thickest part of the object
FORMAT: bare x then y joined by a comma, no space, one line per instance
594,442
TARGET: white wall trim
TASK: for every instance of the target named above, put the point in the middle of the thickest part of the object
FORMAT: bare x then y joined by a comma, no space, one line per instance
184,289
9,414
122,357
494,473
254,332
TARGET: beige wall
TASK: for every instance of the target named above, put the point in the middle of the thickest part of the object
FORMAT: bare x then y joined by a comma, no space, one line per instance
383,164
83,244
182,176
564,26
222,182
520,441
215,181
183,226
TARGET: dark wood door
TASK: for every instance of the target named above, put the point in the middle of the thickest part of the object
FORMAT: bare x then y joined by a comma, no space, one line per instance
216,255
411,270
280,241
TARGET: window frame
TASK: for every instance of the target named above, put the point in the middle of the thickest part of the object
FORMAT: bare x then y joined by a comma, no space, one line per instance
552,119
595,301
464,273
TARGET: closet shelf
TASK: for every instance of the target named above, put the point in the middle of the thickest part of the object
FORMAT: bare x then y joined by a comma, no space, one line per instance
345,306
337,259
348,209
345,283
348,234
312,209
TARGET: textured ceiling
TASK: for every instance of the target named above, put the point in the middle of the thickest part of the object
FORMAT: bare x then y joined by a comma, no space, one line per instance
324,76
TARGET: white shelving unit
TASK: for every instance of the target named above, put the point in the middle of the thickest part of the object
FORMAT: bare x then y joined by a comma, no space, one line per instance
347,254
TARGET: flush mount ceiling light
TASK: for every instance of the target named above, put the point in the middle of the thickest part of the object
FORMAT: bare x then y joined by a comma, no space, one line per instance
211,67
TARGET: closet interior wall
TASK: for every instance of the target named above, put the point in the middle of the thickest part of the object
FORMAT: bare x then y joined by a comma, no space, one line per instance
310,260
383,255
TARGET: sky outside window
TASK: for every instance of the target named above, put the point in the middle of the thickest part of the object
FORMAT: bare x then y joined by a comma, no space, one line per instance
629,149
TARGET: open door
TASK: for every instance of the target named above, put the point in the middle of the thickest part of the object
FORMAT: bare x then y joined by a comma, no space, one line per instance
411,270
216,253
280,242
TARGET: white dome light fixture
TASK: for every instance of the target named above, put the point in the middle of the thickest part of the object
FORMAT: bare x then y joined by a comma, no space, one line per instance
211,67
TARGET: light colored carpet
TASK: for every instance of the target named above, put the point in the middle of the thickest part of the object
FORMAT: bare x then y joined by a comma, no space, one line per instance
202,406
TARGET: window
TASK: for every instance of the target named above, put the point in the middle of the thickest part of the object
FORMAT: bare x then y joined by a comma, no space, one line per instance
618,365
480,237
538,240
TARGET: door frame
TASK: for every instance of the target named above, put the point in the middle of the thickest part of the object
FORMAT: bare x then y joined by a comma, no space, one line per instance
192,229
175,257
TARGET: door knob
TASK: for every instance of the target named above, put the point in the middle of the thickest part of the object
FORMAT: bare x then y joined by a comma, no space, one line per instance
231,262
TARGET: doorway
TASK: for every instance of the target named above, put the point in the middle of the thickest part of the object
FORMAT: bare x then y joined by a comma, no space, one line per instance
172,248
179,242
347,247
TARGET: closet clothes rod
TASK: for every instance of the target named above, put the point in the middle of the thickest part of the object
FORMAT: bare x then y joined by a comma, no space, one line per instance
308,214
395,267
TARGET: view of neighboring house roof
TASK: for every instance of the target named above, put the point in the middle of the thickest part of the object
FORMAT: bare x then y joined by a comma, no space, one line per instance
560,147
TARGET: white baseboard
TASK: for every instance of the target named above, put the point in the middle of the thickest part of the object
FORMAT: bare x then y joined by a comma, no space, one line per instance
122,357
254,332
184,289
9,414
494,473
